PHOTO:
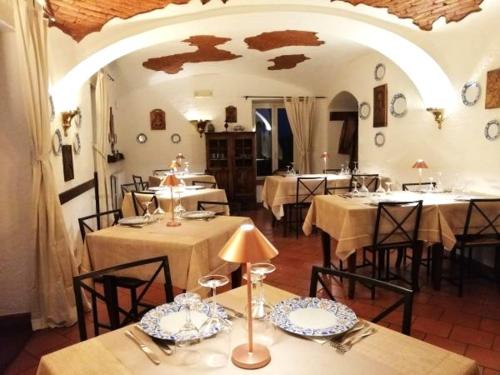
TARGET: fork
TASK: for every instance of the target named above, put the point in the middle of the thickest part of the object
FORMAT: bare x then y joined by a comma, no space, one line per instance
346,345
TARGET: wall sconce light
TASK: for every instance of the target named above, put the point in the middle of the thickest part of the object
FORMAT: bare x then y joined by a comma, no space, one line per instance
67,119
200,125
438,115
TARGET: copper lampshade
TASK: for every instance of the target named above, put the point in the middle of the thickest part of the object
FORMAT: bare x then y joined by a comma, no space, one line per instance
420,164
171,180
248,244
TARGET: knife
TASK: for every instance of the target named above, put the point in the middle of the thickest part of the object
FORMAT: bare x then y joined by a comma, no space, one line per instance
149,353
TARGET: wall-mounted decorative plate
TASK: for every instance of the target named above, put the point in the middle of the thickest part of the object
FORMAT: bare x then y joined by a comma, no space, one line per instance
77,145
398,105
492,130
379,72
141,138
364,110
379,139
175,138
471,92
57,142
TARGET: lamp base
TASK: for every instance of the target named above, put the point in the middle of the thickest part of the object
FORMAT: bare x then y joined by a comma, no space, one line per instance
173,223
242,358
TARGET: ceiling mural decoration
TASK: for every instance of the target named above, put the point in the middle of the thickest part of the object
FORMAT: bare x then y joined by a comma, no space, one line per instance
207,51
278,39
424,12
78,18
287,61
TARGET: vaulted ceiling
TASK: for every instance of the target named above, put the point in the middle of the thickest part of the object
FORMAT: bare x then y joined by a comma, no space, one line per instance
79,18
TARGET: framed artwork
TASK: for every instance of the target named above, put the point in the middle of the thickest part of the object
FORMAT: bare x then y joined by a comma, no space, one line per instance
493,89
231,114
157,119
380,106
67,159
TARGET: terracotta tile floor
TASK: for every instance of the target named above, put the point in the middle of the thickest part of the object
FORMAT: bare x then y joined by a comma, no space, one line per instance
468,325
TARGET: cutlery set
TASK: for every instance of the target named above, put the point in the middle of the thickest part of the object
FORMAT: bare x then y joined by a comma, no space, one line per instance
353,336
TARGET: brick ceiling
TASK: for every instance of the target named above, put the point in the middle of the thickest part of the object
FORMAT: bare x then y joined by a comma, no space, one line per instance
78,18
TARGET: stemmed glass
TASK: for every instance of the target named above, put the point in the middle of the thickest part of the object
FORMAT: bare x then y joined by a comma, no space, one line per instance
147,216
158,213
342,170
179,208
355,170
261,270
355,191
189,333
388,187
380,189
347,171
431,185
214,323
363,190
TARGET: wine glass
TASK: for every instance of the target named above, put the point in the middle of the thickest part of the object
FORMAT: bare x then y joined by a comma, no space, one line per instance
347,170
147,216
355,170
388,186
189,333
380,190
186,167
431,185
342,170
214,323
158,213
261,270
363,190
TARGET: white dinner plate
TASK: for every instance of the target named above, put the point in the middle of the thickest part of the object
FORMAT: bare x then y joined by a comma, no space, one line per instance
196,215
314,317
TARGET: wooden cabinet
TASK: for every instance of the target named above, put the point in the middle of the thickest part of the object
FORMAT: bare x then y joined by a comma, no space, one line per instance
231,159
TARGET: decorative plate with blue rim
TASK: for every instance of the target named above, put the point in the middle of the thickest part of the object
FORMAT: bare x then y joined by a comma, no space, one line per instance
313,316
165,321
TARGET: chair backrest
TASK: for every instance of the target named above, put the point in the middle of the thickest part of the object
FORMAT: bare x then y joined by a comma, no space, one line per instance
371,181
318,274
331,171
139,206
94,222
162,172
138,183
127,188
416,186
397,224
308,187
118,315
207,184
219,207
482,221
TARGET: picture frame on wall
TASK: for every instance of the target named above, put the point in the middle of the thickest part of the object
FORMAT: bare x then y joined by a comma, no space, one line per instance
380,106
231,114
492,89
67,160
157,119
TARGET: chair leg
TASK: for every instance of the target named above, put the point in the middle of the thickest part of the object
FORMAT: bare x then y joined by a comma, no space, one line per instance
374,271
399,259
387,264
415,266
461,267
429,261
133,301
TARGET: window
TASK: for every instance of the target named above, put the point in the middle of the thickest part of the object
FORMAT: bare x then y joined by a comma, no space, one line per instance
274,137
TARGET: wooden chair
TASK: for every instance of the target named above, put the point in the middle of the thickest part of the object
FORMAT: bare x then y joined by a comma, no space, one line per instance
320,274
139,184
305,190
480,231
85,223
206,184
139,208
397,234
127,188
118,315
371,181
234,207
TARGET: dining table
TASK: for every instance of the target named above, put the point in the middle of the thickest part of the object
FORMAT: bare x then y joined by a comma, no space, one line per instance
347,223
188,196
192,248
385,352
280,190
187,178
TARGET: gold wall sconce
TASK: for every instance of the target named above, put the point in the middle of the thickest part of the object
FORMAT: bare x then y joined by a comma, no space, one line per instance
438,115
68,117
200,125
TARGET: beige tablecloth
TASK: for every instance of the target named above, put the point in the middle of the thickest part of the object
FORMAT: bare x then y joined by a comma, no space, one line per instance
187,178
191,248
189,200
351,222
386,352
280,190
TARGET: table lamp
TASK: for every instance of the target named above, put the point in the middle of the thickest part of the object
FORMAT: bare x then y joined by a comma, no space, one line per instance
324,156
248,245
172,181
420,164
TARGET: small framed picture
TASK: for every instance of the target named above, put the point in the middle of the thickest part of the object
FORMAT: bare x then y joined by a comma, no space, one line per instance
380,106
157,119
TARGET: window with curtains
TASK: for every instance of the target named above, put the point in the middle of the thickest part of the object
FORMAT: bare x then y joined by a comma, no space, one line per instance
274,137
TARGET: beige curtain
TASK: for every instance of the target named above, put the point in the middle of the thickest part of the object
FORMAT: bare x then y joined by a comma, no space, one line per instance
53,299
300,112
101,130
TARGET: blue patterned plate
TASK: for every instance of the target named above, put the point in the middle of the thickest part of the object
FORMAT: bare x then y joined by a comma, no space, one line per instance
313,316
165,321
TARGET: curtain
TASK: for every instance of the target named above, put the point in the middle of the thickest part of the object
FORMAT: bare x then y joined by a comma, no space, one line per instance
53,299
300,112
101,130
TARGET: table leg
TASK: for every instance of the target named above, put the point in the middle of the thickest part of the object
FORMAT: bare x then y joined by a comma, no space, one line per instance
236,278
351,267
415,266
437,265
325,242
